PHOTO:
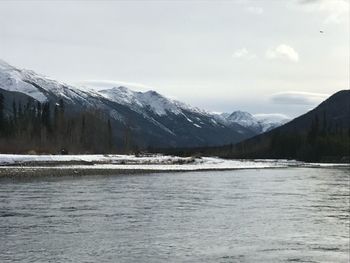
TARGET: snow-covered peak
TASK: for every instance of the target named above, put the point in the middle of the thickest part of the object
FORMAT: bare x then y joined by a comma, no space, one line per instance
240,116
122,89
158,104
38,86
13,79
122,95
5,66
223,115
42,88
244,118
271,120
259,123
149,100
141,101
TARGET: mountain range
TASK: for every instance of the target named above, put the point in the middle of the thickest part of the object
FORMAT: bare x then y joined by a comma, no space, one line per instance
150,119
258,123
322,134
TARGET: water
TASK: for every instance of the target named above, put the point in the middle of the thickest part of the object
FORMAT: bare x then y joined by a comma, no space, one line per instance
272,215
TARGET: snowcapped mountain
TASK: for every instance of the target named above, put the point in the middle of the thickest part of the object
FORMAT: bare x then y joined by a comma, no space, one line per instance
245,119
271,121
151,119
147,101
258,123
41,88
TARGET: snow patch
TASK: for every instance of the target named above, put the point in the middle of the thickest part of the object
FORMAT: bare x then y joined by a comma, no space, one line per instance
11,79
154,162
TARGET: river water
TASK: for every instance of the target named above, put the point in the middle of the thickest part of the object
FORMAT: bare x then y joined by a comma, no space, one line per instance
266,215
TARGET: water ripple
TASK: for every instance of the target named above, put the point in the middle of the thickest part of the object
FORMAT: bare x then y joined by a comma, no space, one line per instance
279,215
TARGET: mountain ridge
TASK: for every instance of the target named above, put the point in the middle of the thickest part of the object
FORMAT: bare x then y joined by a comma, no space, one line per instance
136,100
258,123
322,134
150,119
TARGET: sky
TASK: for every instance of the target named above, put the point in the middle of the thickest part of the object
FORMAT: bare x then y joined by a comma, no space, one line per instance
262,56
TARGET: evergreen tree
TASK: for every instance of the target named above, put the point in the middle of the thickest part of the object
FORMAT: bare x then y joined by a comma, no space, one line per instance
2,115
61,104
19,112
56,117
14,109
110,134
83,131
46,117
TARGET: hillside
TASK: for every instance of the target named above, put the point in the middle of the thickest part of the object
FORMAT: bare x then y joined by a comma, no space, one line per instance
41,114
322,134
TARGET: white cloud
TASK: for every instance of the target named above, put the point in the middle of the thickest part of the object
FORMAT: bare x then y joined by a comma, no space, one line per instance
243,53
271,116
257,10
283,52
107,84
298,98
336,11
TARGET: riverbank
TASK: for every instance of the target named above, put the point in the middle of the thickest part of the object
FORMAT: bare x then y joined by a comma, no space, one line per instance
79,165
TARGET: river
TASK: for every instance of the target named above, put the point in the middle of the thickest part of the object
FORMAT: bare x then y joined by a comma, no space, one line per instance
262,215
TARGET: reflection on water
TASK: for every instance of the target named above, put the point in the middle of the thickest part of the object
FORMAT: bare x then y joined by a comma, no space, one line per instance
275,215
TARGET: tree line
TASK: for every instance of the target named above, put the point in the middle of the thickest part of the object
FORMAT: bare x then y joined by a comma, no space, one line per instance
47,128
322,141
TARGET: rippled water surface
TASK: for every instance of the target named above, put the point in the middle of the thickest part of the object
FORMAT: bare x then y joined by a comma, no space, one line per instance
271,215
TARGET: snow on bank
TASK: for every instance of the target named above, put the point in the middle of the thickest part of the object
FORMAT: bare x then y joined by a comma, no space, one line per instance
16,159
155,162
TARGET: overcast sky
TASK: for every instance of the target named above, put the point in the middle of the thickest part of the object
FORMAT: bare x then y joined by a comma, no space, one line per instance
263,56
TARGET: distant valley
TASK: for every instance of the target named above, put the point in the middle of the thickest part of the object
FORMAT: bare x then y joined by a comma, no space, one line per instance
320,135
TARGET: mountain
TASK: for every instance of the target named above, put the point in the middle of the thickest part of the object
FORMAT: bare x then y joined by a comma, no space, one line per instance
258,123
245,119
322,134
131,119
332,114
271,121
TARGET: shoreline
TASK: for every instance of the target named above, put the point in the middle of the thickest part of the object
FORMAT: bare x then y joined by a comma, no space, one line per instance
28,166
33,171
57,171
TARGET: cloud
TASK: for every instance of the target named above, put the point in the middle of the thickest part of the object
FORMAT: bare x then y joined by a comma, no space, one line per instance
298,98
283,52
243,53
308,1
271,116
336,11
107,84
257,10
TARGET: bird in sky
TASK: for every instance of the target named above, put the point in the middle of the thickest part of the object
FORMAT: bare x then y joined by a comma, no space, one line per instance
321,31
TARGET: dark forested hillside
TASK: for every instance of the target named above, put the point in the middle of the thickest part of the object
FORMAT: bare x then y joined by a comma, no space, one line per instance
28,125
43,127
323,134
